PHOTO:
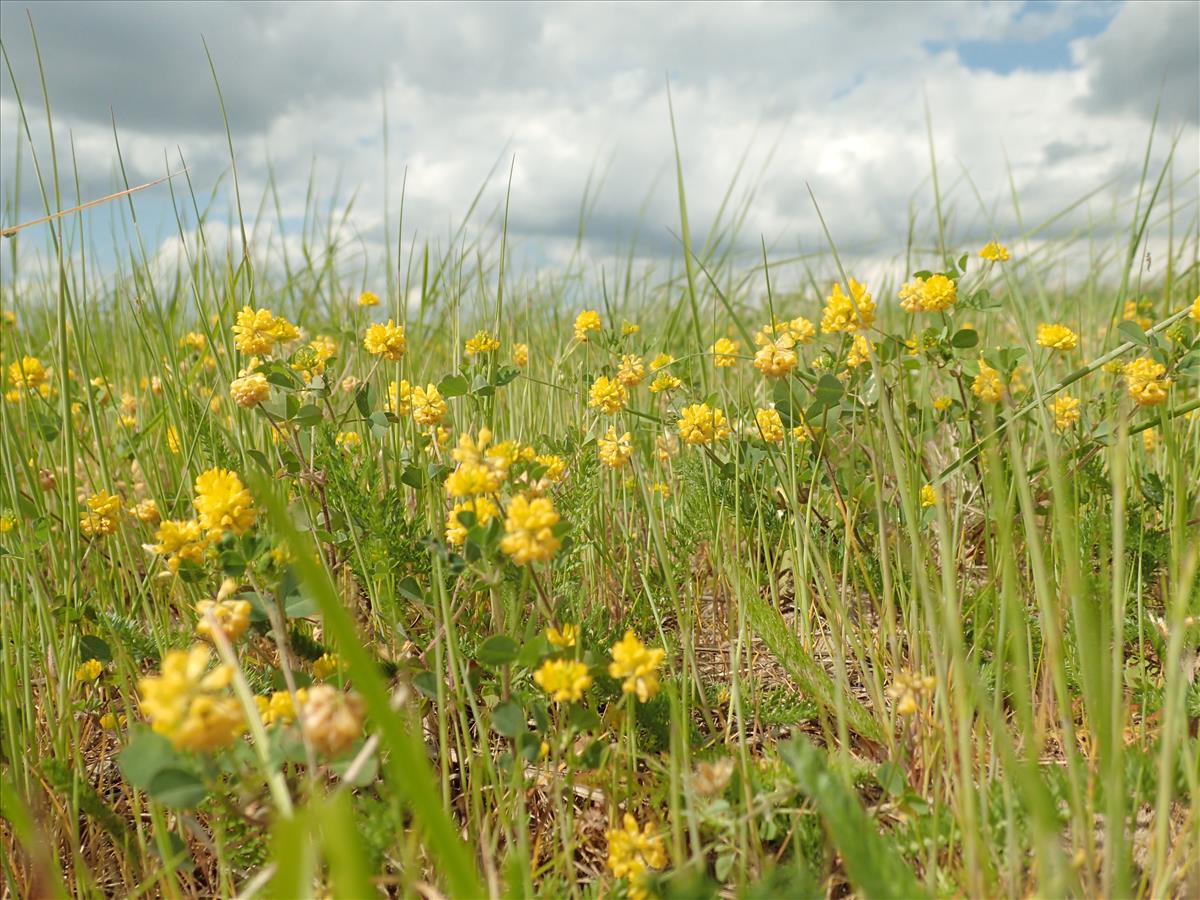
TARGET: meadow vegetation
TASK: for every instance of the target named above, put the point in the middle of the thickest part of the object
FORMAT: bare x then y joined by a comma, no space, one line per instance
729,574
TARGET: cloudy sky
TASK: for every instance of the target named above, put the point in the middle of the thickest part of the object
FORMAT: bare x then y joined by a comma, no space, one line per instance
828,94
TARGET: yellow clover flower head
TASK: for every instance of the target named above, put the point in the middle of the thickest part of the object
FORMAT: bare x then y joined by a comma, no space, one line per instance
609,396
223,503
769,424
702,424
848,312
615,451
1146,381
387,341
189,704
428,407
632,851
332,719
562,638
1057,337
1066,412
724,353
564,680
368,298
638,665
587,321
994,251
483,342
529,530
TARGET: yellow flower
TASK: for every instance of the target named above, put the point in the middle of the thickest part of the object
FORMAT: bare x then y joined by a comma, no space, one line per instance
770,425
637,665
428,407
477,472
798,331
632,851
724,353
702,424
327,664
987,385
588,320
255,331
529,530
1150,440
180,541
232,617
89,671
399,399
907,688
664,381
28,373
284,331
7,523
934,294
348,441
1195,311
1066,412
483,508
564,680
556,466
111,722
101,517
615,451
146,511
848,313
562,638
483,342
632,370
173,439
1146,381
250,390
942,402
1057,337
661,360
223,503
279,707
628,328
860,351
661,488
332,720
387,341
994,251
928,496
368,298
190,705
520,355
609,396
775,358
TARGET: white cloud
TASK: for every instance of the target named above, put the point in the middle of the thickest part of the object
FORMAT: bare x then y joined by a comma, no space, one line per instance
836,90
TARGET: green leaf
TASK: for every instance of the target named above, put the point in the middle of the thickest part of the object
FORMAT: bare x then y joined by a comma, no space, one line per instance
964,338
454,386
362,400
92,647
872,864
498,650
1133,333
177,788
508,719
409,589
147,754
829,390
505,375
307,416
413,477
